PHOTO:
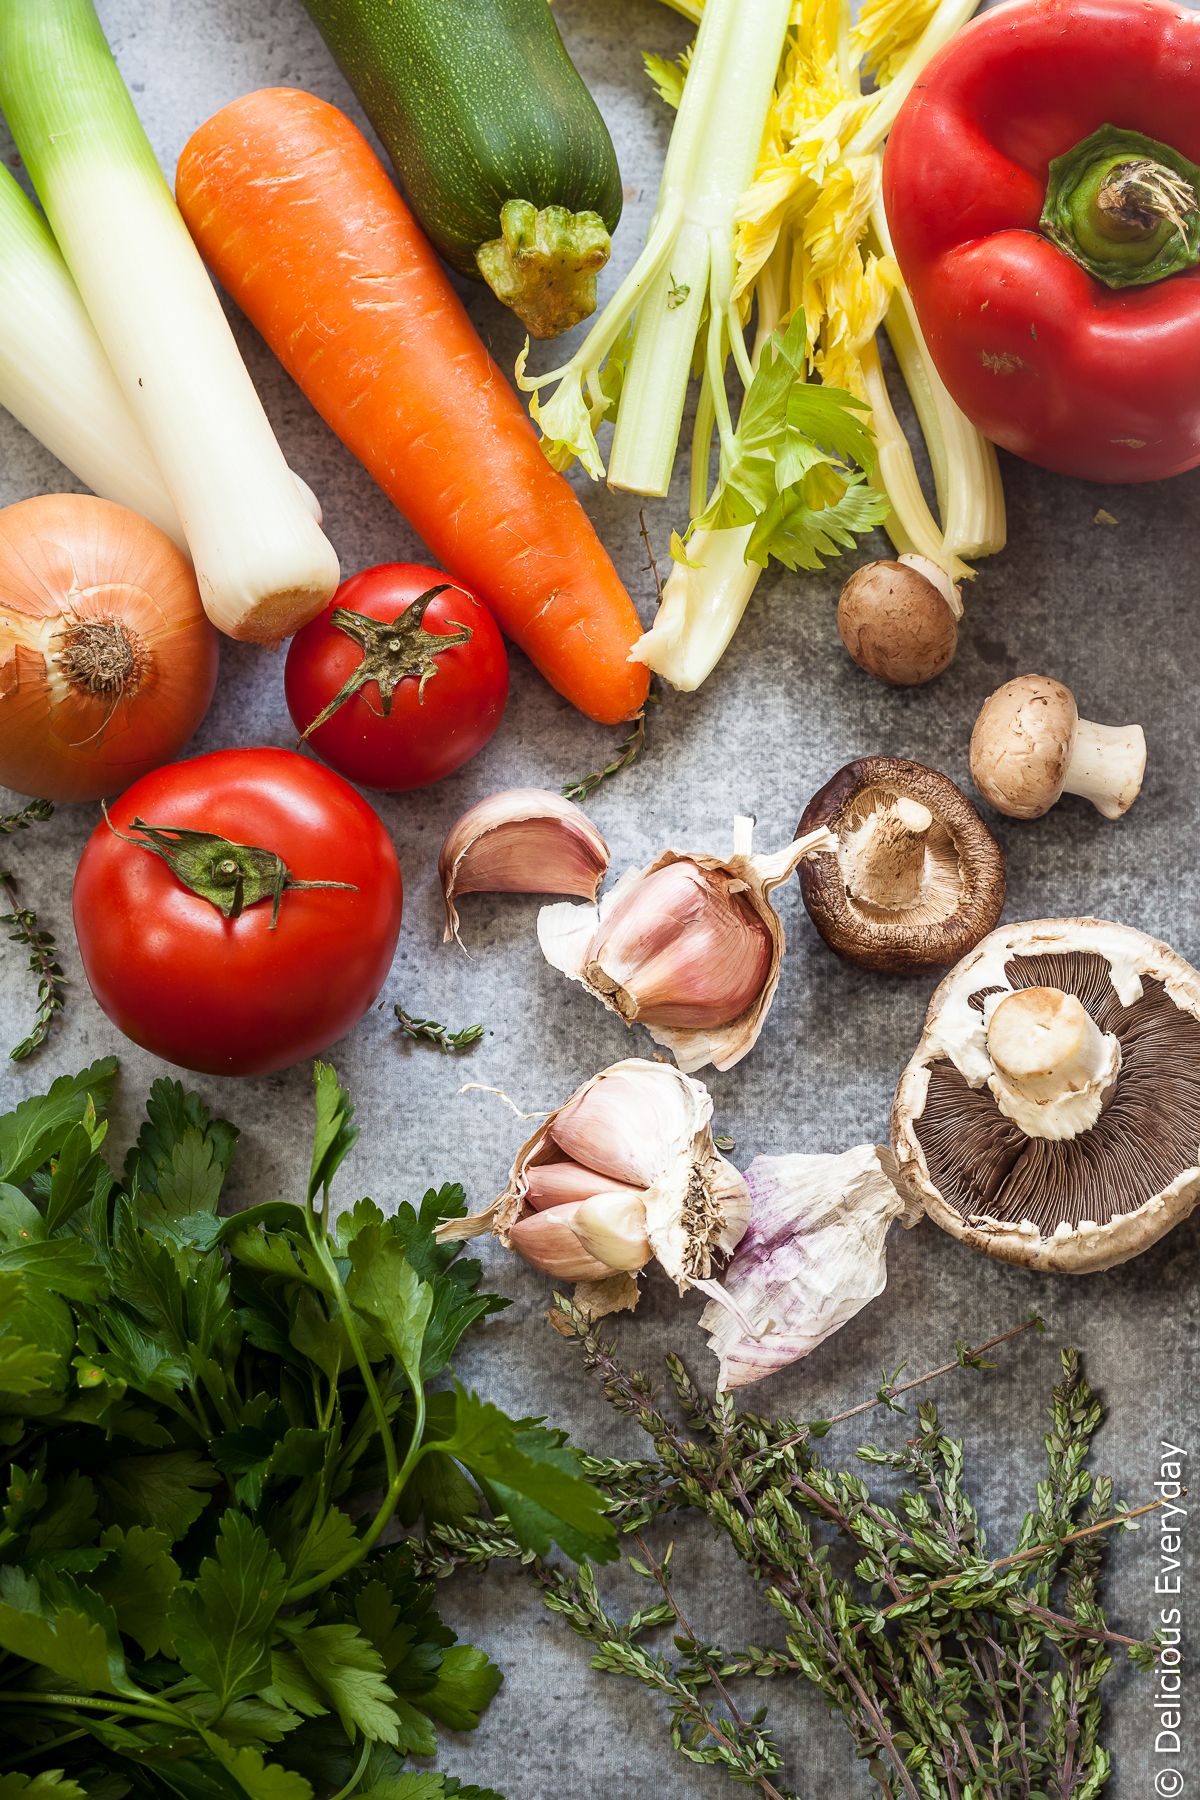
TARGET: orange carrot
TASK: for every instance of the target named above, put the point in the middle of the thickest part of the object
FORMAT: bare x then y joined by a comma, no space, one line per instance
294,213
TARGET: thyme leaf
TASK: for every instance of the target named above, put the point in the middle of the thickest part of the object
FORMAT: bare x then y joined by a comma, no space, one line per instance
957,1673
23,928
428,1031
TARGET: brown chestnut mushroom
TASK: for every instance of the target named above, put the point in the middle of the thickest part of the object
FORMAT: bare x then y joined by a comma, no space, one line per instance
1051,1113
1029,747
899,620
916,880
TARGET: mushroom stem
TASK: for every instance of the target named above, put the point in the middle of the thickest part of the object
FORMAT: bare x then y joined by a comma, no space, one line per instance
1106,766
1054,1067
883,860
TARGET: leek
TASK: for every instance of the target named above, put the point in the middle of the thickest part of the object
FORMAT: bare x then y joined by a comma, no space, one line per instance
54,375
262,563
813,221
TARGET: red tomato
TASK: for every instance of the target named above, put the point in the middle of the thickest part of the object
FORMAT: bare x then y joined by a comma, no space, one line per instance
422,677
234,996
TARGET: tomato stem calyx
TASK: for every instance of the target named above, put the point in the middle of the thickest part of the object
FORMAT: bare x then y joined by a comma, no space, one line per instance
229,875
1125,207
394,650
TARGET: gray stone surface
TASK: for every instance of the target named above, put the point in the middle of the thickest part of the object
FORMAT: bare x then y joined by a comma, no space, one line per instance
1110,609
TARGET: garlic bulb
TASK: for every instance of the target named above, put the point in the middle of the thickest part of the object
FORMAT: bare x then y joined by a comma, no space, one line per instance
813,1256
690,946
525,841
658,1188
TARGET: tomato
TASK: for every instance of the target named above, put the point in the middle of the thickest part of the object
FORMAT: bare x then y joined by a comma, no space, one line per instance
412,681
238,995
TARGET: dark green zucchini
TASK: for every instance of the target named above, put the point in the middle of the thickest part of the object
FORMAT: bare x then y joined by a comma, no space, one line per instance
500,148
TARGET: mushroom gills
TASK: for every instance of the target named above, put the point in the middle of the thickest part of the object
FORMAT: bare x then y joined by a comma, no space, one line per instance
985,1166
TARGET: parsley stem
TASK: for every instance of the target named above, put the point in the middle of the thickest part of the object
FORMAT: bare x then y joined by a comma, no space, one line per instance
398,1472
351,1786
391,1500
161,1715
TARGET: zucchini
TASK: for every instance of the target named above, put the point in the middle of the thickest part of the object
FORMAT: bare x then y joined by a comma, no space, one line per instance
500,148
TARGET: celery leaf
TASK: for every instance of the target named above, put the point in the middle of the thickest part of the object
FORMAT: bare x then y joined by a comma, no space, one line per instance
795,470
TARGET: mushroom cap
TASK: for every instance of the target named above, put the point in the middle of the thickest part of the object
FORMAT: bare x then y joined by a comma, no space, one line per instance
1021,745
1074,1205
897,624
961,882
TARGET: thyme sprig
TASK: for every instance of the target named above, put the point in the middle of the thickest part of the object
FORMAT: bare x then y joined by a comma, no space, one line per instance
959,1675
35,812
633,743
626,753
428,1031
24,929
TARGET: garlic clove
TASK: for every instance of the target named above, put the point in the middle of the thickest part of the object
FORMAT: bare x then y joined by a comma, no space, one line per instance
683,946
676,974
625,1123
612,1227
546,1240
552,1183
642,1125
524,841
814,1255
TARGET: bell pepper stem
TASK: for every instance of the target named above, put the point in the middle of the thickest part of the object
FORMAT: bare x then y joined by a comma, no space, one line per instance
1125,207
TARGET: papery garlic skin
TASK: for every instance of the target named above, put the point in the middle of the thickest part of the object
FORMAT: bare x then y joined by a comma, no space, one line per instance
523,841
646,1130
682,946
697,965
814,1255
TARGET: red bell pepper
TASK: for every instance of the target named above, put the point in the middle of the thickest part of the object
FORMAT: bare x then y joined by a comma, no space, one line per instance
1043,195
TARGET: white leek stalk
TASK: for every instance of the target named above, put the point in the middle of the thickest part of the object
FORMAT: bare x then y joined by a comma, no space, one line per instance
263,565
54,375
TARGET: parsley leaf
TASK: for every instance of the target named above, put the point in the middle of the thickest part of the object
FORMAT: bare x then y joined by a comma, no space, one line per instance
222,1621
209,1425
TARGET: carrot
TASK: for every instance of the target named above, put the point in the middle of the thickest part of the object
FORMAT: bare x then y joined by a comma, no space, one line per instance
293,212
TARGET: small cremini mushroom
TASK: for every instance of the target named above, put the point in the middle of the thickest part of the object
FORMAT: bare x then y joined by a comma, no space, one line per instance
1029,747
1051,1114
899,620
916,878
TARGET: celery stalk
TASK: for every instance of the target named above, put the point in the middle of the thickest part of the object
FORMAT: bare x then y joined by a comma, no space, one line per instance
687,262
836,131
54,375
711,159
262,563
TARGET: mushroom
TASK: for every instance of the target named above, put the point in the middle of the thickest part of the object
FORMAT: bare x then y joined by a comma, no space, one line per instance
1029,747
916,878
1051,1113
899,620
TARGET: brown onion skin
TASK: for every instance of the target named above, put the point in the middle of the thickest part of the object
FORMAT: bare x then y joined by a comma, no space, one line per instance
70,563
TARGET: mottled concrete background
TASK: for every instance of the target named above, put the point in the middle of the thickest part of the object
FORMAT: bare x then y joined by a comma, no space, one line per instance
1109,608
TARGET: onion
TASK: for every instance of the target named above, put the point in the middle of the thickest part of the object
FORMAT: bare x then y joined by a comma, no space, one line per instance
107,661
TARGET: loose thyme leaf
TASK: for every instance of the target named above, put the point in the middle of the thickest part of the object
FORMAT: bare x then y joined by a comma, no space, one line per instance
35,813
23,929
428,1031
626,754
